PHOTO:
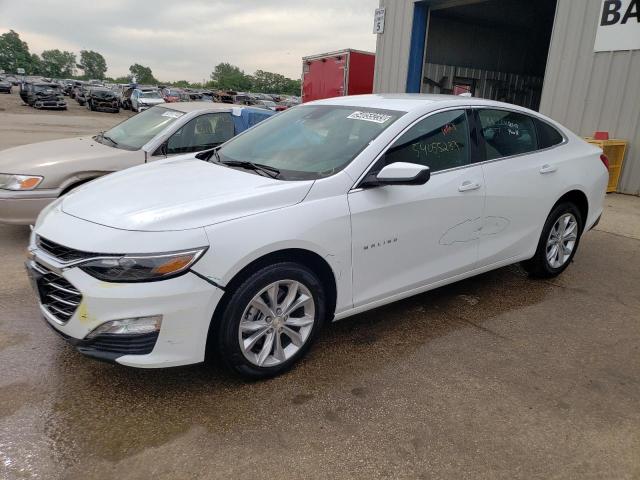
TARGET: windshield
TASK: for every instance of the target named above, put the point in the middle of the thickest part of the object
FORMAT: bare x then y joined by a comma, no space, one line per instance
102,93
134,132
311,141
45,88
149,95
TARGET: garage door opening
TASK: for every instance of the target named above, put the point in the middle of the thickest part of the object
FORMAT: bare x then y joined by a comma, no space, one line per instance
492,49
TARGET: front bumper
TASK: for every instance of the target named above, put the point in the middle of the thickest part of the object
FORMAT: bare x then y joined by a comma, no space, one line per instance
50,104
22,208
186,304
110,107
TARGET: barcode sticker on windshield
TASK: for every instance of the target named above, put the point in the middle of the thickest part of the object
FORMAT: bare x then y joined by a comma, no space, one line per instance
172,114
370,117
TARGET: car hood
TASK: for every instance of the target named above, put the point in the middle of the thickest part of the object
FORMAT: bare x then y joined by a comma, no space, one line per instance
150,101
179,194
56,159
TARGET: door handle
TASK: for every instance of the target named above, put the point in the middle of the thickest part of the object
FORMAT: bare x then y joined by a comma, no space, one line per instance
468,185
546,168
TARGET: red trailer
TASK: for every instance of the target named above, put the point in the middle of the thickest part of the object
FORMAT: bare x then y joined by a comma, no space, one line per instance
346,72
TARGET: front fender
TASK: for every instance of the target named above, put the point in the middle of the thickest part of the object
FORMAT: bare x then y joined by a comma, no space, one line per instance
320,226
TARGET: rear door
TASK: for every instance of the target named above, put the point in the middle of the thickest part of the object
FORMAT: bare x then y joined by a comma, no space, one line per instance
409,236
520,166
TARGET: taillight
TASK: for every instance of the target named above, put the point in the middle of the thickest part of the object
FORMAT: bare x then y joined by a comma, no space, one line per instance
605,160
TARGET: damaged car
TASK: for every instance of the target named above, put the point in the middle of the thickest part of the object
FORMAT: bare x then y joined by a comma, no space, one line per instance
32,176
45,95
102,99
142,99
5,86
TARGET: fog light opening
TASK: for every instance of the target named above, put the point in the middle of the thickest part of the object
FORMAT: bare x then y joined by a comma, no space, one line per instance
128,326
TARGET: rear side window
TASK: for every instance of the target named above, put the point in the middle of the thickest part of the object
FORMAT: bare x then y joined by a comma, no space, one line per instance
547,135
507,133
440,141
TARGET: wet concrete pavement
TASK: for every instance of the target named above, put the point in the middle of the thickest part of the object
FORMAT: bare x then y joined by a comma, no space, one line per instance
499,376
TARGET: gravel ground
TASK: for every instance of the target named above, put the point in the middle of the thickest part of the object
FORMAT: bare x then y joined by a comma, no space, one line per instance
20,124
499,376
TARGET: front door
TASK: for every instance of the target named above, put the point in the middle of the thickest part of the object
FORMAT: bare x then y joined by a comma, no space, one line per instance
409,236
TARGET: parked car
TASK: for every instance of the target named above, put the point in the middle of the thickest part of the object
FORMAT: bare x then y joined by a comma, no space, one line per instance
170,94
326,210
35,175
5,86
268,104
82,92
45,95
102,99
75,88
67,86
144,99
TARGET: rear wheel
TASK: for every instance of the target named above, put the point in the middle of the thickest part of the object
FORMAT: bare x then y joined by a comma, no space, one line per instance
558,242
271,320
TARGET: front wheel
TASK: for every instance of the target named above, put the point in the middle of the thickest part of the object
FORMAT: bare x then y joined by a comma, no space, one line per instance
558,242
270,320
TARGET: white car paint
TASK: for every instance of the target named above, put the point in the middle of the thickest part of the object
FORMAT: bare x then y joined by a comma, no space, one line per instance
140,103
382,244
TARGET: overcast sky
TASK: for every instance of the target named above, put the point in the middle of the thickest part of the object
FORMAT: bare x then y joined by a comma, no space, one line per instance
185,39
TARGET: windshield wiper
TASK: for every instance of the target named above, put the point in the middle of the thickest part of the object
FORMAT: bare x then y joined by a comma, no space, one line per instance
106,137
265,169
207,154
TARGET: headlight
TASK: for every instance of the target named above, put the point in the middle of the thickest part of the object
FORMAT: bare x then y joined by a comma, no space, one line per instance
19,182
142,268
128,326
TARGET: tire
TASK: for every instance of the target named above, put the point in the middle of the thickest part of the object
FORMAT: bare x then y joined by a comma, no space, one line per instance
226,340
540,265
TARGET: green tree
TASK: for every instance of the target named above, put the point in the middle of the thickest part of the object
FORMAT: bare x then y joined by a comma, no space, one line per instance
35,65
181,84
229,77
269,82
93,64
14,53
142,74
125,79
57,64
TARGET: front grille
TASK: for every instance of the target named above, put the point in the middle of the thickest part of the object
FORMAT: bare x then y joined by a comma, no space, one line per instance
140,344
62,253
57,295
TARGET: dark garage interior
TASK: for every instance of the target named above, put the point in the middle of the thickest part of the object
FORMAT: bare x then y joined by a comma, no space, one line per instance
493,49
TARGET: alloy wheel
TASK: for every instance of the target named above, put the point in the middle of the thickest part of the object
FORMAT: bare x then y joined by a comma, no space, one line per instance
562,240
276,323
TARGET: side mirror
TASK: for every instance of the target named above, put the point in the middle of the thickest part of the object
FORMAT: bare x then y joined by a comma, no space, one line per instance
398,173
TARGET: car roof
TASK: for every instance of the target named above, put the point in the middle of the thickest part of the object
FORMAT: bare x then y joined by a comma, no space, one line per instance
407,102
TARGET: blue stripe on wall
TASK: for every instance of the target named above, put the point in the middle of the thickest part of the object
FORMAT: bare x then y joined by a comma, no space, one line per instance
416,49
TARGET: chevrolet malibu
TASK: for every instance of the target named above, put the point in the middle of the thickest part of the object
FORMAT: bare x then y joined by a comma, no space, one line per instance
32,176
326,210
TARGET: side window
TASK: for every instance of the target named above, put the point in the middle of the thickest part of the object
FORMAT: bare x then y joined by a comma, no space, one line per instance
200,133
507,133
440,141
547,135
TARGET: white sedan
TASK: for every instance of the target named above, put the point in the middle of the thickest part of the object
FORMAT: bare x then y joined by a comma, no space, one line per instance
326,210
